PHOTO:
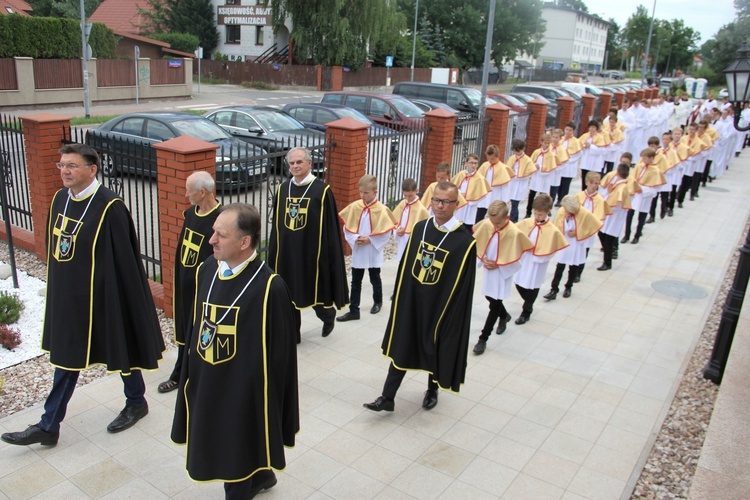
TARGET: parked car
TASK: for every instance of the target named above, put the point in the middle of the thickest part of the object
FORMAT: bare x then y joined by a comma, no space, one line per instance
427,105
117,138
550,93
581,88
389,110
551,121
273,130
508,100
723,93
571,93
462,99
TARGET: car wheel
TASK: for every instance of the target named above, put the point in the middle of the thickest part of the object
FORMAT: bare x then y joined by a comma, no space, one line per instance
108,166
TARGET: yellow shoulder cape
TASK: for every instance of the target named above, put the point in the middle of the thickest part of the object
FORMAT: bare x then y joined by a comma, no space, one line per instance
619,194
574,145
526,167
548,241
561,154
417,212
501,173
586,223
549,160
601,209
511,243
381,218
478,186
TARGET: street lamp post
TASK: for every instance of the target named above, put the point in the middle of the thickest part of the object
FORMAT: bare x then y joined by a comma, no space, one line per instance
648,45
414,43
738,87
669,58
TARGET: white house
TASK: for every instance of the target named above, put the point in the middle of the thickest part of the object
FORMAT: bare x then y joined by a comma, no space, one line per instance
245,30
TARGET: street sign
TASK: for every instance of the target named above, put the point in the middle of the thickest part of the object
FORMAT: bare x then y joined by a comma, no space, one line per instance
388,61
199,52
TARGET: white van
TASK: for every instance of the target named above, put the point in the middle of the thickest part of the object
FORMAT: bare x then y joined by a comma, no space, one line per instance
581,88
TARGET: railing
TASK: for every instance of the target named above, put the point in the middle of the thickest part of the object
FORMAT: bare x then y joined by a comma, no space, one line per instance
393,157
466,140
598,108
8,77
517,129
13,159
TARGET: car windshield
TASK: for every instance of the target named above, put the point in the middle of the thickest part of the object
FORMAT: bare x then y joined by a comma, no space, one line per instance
274,122
202,129
353,113
512,100
593,90
475,97
407,108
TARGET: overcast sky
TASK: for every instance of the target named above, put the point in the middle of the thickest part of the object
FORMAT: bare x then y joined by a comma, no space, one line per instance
704,16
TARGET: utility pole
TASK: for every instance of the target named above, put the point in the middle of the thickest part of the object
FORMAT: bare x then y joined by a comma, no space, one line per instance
648,44
485,75
414,43
85,30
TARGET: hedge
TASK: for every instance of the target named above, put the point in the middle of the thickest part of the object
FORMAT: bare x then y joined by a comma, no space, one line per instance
51,38
178,41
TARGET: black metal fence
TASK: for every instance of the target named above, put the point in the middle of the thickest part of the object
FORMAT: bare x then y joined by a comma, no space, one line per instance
467,139
517,129
577,117
13,160
393,157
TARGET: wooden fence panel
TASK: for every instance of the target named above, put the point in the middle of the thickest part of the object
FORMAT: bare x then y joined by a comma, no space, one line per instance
164,74
370,77
58,74
8,78
115,73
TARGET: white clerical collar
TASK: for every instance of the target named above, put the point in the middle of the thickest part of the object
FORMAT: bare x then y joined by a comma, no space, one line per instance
223,266
310,177
450,225
86,192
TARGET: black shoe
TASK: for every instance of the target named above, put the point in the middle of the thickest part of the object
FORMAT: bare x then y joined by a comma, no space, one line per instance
614,255
168,386
650,220
328,328
558,204
376,308
577,279
710,179
503,324
33,434
703,184
692,197
566,292
262,481
697,195
625,239
380,404
480,347
521,320
679,204
128,417
552,295
430,399
663,214
670,213
635,240
348,317
604,267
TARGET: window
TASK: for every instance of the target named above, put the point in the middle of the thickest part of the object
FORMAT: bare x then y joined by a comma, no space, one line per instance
131,126
233,2
357,102
262,2
455,99
233,34
334,98
259,35
246,122
378,107
223,118
157,130
324,116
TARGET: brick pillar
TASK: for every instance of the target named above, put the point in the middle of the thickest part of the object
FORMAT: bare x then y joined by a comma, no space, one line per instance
589,105
606,98
437,146
565,111
346,161
337,78
537,124
176,159
43,133
631,94
497,127
641,94
619,99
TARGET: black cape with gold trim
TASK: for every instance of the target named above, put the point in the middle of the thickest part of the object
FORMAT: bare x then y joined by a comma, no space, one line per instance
99,308
305,246
238,404
428,328
192,250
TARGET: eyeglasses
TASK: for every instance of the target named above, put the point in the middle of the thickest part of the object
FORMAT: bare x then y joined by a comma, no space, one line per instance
71,166
439,201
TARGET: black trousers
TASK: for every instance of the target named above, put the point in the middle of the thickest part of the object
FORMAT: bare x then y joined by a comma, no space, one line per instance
529,297
695,185
672,197
532,193
564,188
497,311
628,222
608,244
685,185
608,166
393,382
481,212
559,270
583,179
706,171
639,227
356,290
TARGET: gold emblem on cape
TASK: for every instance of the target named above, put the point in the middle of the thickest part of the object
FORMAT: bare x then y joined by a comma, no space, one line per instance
295,215
217,342
191,246
64,234
428,264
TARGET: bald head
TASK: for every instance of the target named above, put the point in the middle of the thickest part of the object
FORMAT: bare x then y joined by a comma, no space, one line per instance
201,180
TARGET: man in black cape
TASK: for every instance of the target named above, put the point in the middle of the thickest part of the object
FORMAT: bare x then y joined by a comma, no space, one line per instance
238,403
99,308
192,249
305,245
428,329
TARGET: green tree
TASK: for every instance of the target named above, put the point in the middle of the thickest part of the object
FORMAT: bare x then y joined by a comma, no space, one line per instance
195,17
742,7
156,17
68,9
573,4
729,39
337,32
635,34
463,23
614,45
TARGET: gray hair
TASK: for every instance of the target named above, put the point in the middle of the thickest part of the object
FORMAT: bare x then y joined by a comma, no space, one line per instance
201,180
308,157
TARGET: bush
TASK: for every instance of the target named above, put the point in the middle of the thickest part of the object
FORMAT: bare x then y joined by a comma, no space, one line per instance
184,42
260,86
9,338
51,38
10,308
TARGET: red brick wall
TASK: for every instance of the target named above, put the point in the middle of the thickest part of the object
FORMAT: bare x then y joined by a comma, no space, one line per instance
537,124
437,146
565,111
